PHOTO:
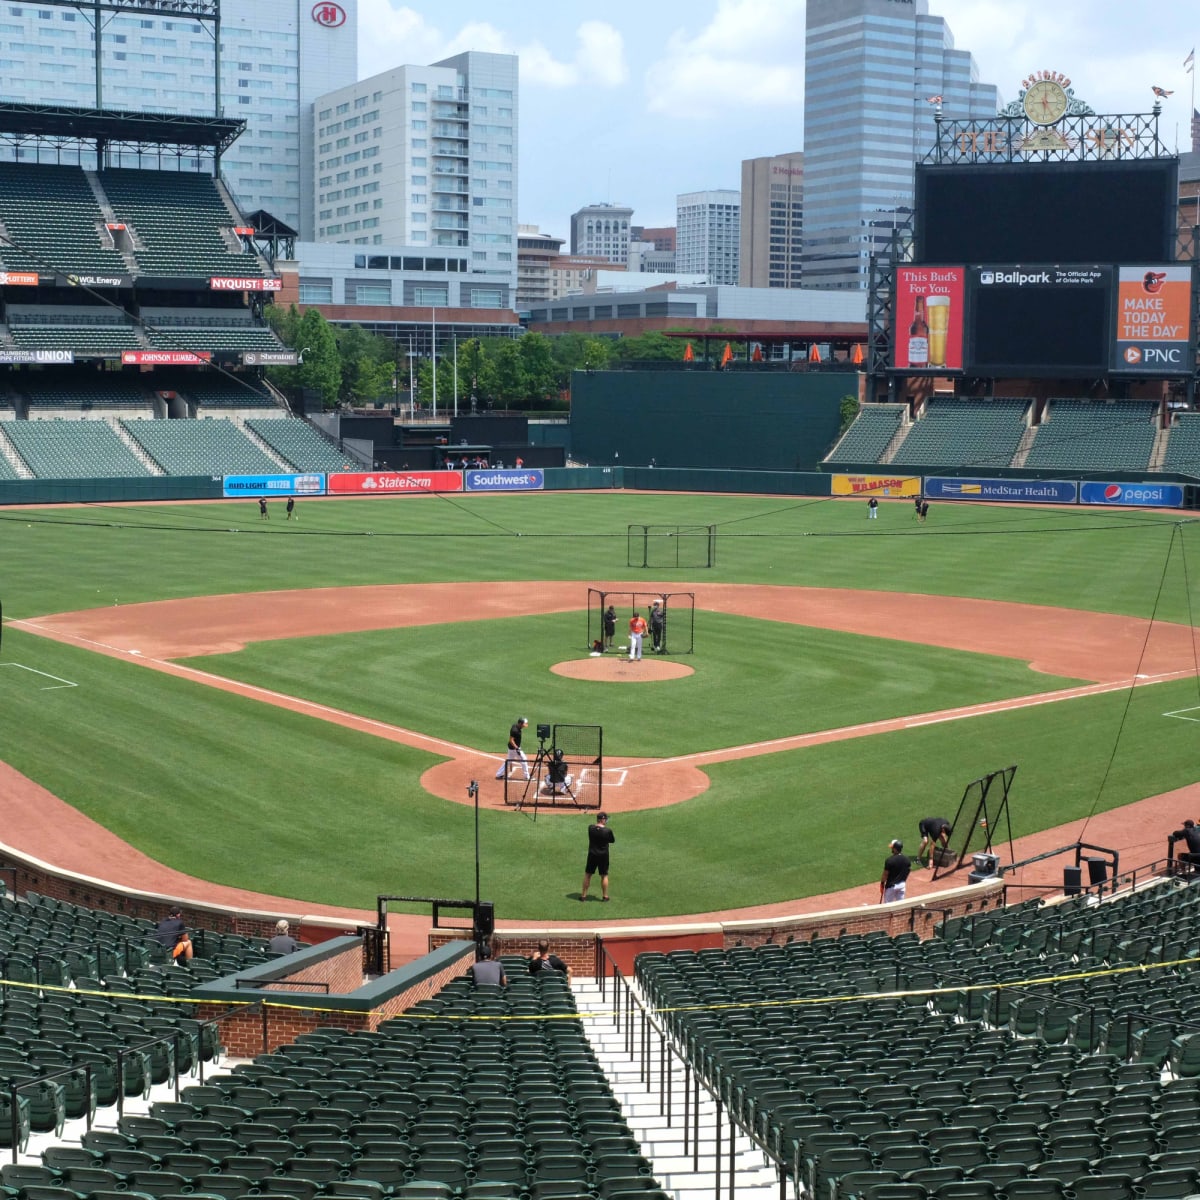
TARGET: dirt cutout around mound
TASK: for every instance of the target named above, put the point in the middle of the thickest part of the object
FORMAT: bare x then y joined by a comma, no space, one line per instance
610,668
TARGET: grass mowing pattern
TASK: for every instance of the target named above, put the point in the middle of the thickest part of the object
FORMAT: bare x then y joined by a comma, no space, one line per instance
328,814
755,680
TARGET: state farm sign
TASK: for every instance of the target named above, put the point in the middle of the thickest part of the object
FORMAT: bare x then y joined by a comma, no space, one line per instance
390,483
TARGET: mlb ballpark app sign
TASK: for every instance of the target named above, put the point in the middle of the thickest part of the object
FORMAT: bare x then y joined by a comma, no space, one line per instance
1152,332
929,318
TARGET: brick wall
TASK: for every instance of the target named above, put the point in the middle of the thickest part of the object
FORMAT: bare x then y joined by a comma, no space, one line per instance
244,1034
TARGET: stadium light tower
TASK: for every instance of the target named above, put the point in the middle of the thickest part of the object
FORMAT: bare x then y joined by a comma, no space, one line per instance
206,12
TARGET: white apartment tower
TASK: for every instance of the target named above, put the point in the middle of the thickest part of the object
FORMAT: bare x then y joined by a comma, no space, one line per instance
602,231
277,56
708,231
423,157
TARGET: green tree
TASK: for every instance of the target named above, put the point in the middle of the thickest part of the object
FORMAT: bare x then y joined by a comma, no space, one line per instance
321,369
655,347
445,383
849,410
509,384
537,364
368,364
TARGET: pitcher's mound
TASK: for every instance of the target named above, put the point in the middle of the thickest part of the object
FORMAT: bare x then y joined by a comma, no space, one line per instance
608,668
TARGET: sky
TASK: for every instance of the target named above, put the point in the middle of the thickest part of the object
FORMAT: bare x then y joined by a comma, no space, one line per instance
634,103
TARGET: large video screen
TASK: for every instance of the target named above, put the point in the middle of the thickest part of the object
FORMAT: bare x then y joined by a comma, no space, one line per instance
1096,212
1038,320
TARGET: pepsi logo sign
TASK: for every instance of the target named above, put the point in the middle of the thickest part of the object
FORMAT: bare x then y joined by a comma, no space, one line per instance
329,15
1113,492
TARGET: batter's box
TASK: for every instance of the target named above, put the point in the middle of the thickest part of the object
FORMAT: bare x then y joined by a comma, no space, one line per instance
613,777
1181,714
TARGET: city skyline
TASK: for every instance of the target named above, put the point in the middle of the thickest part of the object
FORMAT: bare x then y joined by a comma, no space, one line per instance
654,101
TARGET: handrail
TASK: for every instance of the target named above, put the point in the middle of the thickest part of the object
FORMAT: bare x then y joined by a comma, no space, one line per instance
89,1111
638,1046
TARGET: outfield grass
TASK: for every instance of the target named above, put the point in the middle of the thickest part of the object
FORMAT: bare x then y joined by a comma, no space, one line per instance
279,802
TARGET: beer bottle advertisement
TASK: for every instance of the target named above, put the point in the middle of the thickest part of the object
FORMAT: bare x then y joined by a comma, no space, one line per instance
929,318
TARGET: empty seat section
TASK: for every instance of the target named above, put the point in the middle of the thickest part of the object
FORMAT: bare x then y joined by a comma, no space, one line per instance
72,449
300,444
214,446
964,432
869,435
1183,445
1094,435
177,220
52,212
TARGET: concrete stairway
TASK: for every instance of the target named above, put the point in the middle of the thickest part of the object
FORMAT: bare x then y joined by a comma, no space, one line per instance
682,1173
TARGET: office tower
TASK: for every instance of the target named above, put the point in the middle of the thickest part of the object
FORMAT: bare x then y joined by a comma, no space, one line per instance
870,68
707,234
536,251
772,221
276,57
602,231
424,157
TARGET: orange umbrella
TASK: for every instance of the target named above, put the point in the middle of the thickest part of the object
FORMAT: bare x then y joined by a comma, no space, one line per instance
688,355
814,353
757,355
857,355
727,355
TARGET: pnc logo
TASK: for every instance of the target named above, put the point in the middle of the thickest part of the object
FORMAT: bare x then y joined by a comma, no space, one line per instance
329,15
1133,354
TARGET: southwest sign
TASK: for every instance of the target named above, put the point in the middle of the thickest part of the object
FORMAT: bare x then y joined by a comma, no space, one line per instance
1152,331
487,479
392,483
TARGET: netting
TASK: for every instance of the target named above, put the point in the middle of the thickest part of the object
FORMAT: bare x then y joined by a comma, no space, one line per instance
671,545
676,634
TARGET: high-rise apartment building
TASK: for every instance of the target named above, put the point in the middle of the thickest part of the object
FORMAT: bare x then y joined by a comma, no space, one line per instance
602,231
536,251
277,56
707,234
871,67
772,221
424,157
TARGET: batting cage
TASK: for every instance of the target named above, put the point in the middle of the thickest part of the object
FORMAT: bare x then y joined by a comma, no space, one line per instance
567,772
671,545
672,629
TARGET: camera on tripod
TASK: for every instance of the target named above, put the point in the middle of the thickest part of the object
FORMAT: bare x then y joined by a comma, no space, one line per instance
543,732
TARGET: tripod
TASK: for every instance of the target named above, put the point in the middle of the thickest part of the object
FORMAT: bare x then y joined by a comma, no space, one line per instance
535,778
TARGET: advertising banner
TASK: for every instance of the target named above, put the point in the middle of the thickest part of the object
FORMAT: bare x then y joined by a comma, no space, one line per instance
876,485
929,318
391,483
270,358
18,279
37,356
94,281
251,283
1011,491
274,485
487,480
1152,334
1138,495
164,358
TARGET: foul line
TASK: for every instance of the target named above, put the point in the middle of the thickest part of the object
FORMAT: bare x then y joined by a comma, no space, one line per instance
58,686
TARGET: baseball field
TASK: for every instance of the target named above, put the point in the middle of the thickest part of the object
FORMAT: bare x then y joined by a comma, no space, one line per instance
296,707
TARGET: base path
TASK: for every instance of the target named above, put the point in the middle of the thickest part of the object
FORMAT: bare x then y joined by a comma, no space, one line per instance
1112,651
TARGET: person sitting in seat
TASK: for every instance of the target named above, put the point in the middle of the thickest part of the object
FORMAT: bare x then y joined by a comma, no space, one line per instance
558,779
283,942
486,970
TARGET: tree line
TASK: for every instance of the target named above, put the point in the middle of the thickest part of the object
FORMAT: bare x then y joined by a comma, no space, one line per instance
346,363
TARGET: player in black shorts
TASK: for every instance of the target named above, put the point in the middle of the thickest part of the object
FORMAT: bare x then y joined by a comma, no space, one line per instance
933,830
600,837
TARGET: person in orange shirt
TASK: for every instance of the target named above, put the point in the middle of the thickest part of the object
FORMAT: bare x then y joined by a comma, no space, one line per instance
637,630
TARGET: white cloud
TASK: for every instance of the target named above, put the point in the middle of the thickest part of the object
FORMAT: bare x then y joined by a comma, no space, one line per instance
749,55
390,37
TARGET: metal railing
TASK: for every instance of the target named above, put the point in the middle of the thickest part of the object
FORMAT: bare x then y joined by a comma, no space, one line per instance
630,1016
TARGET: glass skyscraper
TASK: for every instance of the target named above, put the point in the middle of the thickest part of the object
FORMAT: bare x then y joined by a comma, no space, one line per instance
871,67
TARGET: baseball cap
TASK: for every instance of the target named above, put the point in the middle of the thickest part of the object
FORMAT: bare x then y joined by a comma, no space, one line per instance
896,844
522,720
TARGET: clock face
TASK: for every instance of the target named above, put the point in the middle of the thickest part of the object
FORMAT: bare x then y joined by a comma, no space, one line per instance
1045,102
